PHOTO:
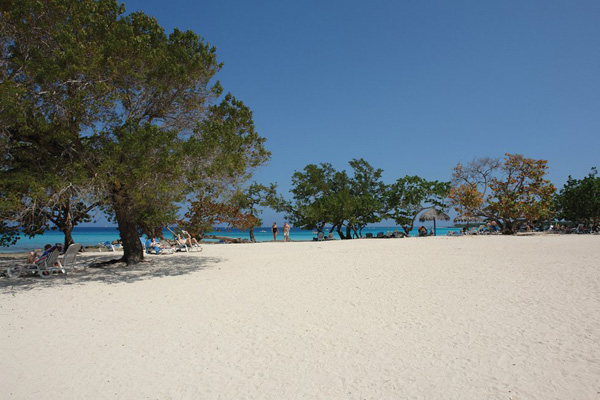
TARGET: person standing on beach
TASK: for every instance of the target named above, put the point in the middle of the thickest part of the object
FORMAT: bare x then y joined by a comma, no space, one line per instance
274,230
286,232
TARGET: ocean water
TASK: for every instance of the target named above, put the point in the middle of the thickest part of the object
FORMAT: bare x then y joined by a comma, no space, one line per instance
92,236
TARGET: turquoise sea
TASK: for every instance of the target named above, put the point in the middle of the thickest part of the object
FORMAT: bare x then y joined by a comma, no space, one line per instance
91,236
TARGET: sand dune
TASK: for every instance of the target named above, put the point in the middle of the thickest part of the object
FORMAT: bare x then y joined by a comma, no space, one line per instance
420,318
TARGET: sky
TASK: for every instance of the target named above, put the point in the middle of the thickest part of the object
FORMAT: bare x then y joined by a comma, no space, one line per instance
413,87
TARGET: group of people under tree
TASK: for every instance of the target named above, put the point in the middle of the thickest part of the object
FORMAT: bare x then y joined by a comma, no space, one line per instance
183,238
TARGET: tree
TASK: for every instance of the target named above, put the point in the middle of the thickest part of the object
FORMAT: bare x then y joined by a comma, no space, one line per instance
128,105
322,195
410,195
61,209
44,104
206,211
247,201
310,188
579,200
368,191
509,193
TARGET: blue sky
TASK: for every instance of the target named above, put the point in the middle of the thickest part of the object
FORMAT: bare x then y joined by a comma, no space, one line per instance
414,87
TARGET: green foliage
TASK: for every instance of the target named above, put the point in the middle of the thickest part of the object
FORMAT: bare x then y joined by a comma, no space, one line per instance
49,95
255,195
322,195
224,146
90,95
140,173
579,199
248,201
410,195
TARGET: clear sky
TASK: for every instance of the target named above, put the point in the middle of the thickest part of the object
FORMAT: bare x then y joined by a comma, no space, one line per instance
414,87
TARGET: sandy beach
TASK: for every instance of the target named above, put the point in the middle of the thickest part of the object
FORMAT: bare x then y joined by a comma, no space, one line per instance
482,317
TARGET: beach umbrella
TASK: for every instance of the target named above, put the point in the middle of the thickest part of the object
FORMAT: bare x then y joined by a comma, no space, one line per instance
468,219
432,215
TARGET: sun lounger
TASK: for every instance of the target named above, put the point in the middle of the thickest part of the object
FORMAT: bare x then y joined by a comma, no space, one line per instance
180,246
156,249
44,267
67,260
110,247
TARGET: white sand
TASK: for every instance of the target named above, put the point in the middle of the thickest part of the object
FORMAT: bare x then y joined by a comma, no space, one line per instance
427,318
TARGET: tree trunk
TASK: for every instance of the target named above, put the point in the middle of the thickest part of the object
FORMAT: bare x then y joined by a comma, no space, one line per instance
252,239
68,232
348,232
340,233
64,223
330,229
224,238
508,228
132,246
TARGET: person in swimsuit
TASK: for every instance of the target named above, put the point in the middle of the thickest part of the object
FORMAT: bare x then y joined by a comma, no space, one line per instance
286,232
274,229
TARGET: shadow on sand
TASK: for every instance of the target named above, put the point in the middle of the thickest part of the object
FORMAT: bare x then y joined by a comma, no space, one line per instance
152,267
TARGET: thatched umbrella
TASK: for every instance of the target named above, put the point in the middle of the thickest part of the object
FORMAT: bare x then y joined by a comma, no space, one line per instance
468,219
433,214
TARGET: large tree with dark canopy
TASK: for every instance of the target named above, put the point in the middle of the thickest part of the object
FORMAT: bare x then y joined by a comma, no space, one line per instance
122,105
579,200
323,195
410,195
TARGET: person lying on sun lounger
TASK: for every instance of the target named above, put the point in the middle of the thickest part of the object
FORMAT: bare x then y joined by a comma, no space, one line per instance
155,246
190,241
181,240
33,256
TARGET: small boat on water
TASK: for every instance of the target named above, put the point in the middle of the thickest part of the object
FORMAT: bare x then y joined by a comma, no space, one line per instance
262,231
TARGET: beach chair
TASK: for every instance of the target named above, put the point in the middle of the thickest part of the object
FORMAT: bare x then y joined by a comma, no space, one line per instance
180,246
68,259
193,246
320,236
109,246
156,250
150,250
329,236
44,267
472,231
196,247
